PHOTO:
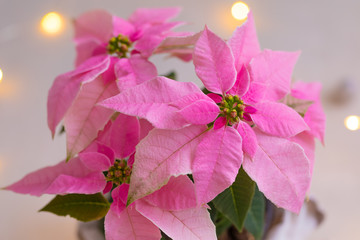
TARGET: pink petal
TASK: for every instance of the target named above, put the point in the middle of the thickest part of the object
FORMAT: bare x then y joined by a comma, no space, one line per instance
244,43
189,99
161,155
249,109
214,62
220,122
247,117
122,136
85,118
134,71
306,91
109,75
274,68
255,93
179,46
145,128
178,42
153,15
177,194
87,48
119,196
108,187
193,223
200,112
242,83
131,160
145,101
314,116
98,147
71,177
160,29
123,222
121,26
216,98
129,224
281,170
306,141
217,161
66,87
96,161
278,119
186,57
147,44
249,143
97,24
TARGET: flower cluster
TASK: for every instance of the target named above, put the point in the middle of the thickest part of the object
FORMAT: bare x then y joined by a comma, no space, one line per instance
164,149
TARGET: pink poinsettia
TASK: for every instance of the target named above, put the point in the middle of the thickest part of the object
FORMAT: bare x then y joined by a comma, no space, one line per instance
173,209
314,114
245,93
112,56
305,98
98,32
84,173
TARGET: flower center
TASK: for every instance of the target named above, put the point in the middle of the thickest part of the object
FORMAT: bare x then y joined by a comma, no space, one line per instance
232,107
119,173
119,45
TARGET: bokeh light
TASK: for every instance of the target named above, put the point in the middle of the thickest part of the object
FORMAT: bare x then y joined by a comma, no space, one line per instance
52,23
1,75
352,122
240,10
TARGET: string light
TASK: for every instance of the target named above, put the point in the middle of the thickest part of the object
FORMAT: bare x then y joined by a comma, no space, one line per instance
352,122
52,23
240,10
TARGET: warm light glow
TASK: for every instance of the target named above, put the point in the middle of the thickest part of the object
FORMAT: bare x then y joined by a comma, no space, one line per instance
352,122
1,75
240,10
52,23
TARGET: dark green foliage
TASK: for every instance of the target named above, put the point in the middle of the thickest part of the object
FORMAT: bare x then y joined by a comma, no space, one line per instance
80,206
235,202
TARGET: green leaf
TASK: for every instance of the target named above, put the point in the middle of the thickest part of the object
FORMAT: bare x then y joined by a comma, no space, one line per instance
222,224
172,75
62,130
254,222
205,91
235,201
80,206
164,236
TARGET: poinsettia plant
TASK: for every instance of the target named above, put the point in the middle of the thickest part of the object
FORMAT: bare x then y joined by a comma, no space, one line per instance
160,158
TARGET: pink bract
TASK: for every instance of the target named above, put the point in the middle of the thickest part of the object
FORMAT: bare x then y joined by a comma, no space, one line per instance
281,170
178,106
67,86
161,210
163,148
314,116
74,96
145,28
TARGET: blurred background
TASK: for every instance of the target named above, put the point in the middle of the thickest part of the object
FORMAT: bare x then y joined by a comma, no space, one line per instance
326,32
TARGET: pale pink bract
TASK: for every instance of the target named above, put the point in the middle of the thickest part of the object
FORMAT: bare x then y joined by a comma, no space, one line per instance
255,82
